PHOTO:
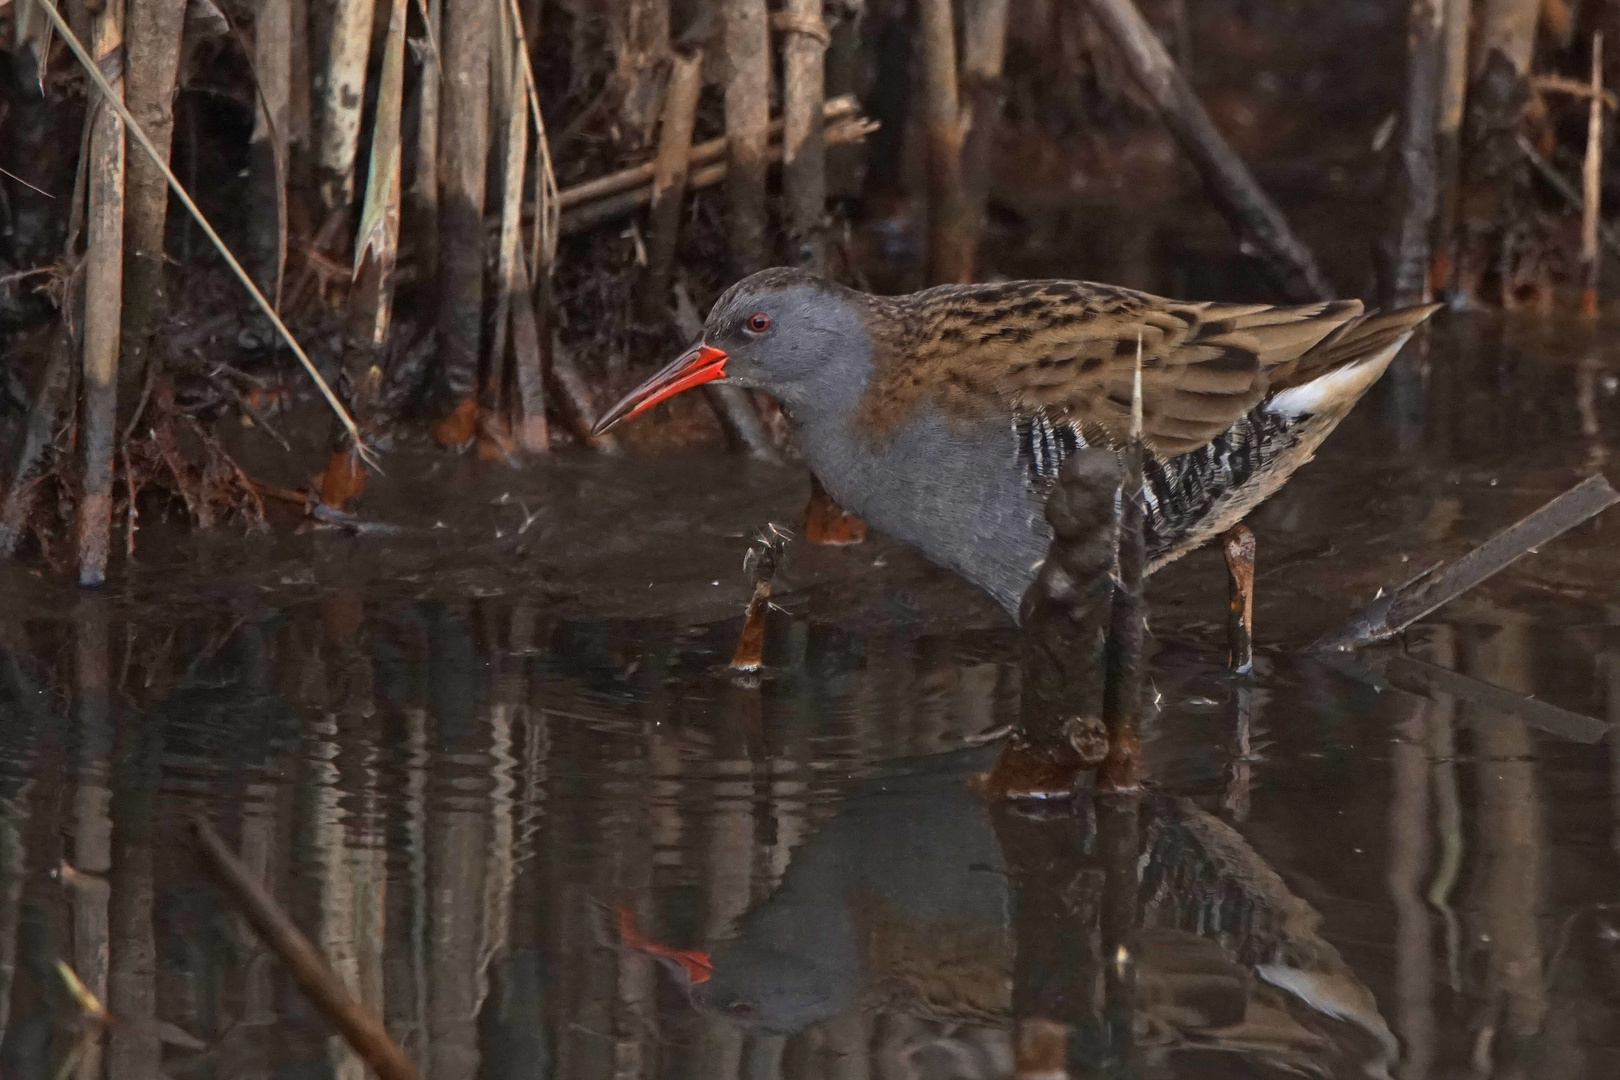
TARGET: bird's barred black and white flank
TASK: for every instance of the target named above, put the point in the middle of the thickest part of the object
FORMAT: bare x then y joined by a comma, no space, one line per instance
1181,491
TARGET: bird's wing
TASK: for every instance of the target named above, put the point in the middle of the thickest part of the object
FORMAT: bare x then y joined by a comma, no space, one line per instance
1067,351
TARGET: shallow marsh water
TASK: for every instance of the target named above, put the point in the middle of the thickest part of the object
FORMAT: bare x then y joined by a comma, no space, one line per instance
453,750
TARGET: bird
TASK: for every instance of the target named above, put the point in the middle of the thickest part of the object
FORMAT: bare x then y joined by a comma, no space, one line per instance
918,900
943,417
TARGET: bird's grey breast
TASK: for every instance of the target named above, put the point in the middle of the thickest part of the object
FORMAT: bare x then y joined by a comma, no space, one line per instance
959,491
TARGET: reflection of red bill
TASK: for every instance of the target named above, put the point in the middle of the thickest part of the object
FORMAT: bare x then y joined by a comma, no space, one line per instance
694,962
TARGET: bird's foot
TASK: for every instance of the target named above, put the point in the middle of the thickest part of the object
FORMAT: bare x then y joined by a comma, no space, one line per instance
1024,773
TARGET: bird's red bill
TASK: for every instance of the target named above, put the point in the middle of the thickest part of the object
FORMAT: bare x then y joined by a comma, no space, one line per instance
694,962
700,364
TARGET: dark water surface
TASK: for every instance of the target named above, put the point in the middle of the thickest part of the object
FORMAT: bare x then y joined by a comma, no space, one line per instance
453,751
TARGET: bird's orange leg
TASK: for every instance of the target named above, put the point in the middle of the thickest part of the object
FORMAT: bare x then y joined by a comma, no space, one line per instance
1238,544
825,522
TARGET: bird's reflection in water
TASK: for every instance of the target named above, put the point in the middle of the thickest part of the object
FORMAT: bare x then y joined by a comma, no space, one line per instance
1117,933
977,936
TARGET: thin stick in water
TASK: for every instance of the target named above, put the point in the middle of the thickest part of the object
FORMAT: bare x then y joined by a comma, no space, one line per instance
363,1031
1391,613
1122,693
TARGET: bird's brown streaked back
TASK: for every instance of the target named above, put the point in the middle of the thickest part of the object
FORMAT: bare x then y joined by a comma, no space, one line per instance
1068,349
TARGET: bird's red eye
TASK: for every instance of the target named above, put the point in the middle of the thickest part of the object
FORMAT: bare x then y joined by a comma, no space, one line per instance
759,322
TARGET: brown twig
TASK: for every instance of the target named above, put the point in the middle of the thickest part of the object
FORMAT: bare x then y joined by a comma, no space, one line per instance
586,217
1566,190
1558,84
1122,693
703,153
363,1031
1250,212
574,397
1391,613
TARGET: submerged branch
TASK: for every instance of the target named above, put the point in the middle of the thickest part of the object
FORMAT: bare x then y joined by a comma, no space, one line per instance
1390,614
363,1031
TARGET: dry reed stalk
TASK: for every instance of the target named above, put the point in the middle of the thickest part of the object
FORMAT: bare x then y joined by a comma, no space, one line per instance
543,248
38,437
363,1031
515,152
574,397
300,106
1240,199
984,48
376,251
153,45
703,153
804,154
949,242
267,152
341,84
103,311
463,161
669,180
1448,135
1592,175
422,202
115,100
529,427
1122,692
590,215
1507,27
638,39
32,36
1405,248
748,120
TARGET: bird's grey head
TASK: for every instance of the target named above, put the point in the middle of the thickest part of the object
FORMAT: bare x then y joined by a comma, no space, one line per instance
789,333
796,336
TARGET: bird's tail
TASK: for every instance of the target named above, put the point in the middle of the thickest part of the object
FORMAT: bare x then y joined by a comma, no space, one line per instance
1332,376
